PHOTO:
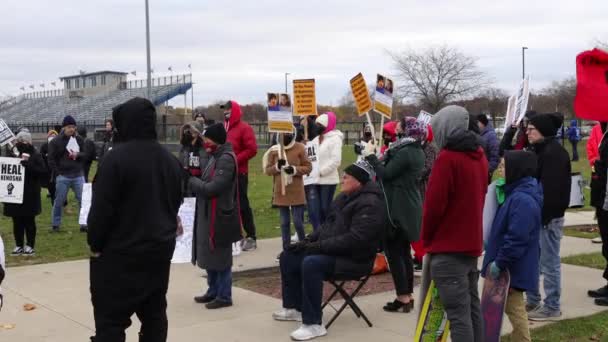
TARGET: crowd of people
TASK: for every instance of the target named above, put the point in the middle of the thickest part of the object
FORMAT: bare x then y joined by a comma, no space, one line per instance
423,189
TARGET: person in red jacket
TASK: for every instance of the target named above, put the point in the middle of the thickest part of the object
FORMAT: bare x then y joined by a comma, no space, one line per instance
452,220
593,144
242,138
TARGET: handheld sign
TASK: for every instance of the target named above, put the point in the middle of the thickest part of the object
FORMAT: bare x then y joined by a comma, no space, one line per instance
383,96
510,111
361,94
6,135
304,98
12,179
591,101
280,119
521,104
85,206
183,243
425,118
312,148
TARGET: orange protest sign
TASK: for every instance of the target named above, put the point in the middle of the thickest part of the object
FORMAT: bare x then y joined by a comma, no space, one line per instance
304,99
361,94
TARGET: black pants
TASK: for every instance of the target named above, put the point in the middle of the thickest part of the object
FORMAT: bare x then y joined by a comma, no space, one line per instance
246,213
401,265
602,222
574,150
87,169
122,286
24,225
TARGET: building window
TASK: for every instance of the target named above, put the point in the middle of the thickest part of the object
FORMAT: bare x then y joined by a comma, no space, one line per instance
77,83
94,81
103,80
68,84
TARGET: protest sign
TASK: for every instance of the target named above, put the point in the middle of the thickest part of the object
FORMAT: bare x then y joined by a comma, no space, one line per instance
304,98
591,101
361,94
425,118
509,116
6,135
85,206
12,179
312,148
280,119
521,104
183,243
383,96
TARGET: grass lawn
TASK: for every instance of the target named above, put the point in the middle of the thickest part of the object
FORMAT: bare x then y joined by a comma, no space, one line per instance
591,328
70,244
585,232
593,260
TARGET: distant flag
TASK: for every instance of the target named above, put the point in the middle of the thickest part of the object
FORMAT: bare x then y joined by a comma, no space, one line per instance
42,85
82,72
189,66
53,84
171,69
152,70
22,88
32,86
134,72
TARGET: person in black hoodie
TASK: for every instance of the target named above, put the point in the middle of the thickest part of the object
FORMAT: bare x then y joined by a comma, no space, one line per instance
66,158
132,228
89,152
554,176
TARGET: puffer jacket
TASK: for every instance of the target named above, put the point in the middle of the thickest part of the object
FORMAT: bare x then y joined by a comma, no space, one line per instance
330,157
242,138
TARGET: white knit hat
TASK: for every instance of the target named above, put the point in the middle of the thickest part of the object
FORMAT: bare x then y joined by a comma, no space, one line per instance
323,119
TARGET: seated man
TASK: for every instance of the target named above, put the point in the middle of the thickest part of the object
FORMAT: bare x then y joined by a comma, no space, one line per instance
345,245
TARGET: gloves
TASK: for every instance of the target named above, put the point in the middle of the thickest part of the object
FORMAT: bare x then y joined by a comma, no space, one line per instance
290,170
370,149
281,163
493,271
24,163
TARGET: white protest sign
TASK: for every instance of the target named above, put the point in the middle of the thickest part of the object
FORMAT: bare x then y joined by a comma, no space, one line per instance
280,119
424,117
312,149
73,145
510,111
489,210
521,104
183,243
12,179
85,206
6,135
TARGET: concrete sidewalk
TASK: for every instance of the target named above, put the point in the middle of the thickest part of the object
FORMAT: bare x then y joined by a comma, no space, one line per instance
64,313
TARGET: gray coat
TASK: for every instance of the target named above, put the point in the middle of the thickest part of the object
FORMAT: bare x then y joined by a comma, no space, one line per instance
217,184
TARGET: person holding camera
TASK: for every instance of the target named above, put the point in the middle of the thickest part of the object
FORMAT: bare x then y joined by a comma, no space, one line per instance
192,154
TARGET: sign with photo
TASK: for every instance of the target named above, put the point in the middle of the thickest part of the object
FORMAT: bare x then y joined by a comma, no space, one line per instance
280,118
12,179
383,96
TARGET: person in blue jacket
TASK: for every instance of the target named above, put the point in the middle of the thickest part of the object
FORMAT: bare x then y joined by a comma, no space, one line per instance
574,136
514,241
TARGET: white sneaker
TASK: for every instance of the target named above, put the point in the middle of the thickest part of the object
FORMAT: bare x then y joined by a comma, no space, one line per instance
28,251
596,240
236,249
308,332
292,315
294,238
17,251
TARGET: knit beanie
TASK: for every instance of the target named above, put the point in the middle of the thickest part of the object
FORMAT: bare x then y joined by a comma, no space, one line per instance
68,120
328,120
547,123
412,128
362,171
483,119
24,136
217,133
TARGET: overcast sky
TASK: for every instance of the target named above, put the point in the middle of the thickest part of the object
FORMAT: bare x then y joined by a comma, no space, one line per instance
241,49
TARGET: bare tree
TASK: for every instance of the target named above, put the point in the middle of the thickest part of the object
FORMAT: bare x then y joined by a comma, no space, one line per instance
438,75
562,93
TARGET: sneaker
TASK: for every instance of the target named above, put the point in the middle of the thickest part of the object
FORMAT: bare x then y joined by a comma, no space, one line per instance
599,293
29,251
236,249
217,304
596,240
84,229
55,229
287,315
308,332
544,314
249,245
601,301
278,259
17,251
294,238
532,307
204,299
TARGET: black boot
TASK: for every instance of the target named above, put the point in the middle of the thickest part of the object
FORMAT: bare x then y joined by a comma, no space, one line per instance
602,292
601,301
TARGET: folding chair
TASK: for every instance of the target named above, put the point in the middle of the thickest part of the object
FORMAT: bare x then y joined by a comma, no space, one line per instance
338,284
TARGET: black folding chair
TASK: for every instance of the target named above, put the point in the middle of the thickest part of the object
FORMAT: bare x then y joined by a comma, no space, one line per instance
338,284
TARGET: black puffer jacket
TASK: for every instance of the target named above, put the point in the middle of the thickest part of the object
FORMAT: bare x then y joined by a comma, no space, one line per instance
353,230
60,163
138,189
34,171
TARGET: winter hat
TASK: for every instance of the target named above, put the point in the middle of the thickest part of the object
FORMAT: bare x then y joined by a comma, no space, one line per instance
362,171
82,131
328,120
483,119
449,121
227,105
519,164
52,132
217,133
390,129
68,120
24,136
547,123
412,128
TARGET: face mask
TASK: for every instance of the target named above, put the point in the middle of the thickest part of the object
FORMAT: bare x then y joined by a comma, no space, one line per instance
227,115
287,139
320,129
209,147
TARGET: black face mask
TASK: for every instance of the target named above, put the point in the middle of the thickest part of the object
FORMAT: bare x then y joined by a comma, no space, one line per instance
186,138
401,135
287,139
319,129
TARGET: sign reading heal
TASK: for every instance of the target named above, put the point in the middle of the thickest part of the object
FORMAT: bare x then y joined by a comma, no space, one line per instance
312,150
280,119
6,134
304,98
521,103
12,179
383,96
361,94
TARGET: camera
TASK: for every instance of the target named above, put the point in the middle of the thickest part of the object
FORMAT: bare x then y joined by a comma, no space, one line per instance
359,147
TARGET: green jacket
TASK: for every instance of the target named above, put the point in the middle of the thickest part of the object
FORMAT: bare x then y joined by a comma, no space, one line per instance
400,171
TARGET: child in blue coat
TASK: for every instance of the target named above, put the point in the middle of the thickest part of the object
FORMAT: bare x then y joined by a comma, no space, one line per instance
513,243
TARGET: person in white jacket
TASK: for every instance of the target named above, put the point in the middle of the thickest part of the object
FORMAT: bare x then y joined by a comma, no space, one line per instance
330,157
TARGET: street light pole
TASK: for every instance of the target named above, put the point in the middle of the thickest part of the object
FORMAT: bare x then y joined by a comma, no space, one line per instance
523,62
149,83
286,92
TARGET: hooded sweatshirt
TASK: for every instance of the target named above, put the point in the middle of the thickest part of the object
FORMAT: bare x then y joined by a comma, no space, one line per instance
138,190
453,205
573,133
390,129
242,138
330,153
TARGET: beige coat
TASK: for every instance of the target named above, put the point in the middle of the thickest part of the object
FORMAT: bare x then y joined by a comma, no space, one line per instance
294,192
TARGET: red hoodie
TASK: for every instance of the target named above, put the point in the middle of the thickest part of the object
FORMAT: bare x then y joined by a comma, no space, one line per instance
453,205
242,138
390,129
593,144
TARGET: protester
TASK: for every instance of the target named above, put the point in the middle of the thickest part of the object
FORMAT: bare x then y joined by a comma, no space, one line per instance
66,158
108,139
200,117
517,131
554,175
595,138
488,135
399,174
453,208
217,221
389,135
574,136
192,154
513,243
242,139
593,144
367,133
89,154
48,181
330,157
346,245
24,214
132,227
287,164
313,204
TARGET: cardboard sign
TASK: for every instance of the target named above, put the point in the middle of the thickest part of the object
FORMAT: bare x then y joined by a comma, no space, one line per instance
304,98
312,149
521,104
12,179
85,206
509,116
425,117
383,96
280,119
183,243
6,135
591,101
361,94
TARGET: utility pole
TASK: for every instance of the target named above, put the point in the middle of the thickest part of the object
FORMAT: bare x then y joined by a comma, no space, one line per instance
149,83
523,62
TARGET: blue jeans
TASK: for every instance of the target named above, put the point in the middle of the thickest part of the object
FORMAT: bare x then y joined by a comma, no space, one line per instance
62,186
302,283
550,266
326,196
313,205
220,285
297,212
